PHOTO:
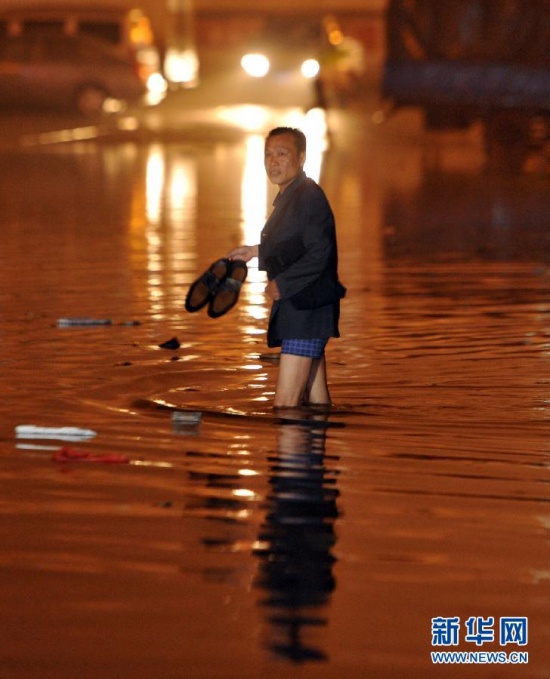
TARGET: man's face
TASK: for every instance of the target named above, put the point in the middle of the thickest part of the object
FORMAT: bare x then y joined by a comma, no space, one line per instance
282,161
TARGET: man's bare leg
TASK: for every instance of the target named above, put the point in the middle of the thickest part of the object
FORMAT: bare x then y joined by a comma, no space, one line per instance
294,373
317,392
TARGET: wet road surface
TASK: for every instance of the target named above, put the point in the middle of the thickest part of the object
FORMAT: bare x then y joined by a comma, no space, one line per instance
247,545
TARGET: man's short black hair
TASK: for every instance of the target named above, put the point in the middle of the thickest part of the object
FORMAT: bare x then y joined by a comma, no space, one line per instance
299,136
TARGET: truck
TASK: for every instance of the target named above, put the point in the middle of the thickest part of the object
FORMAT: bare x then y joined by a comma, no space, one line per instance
467,61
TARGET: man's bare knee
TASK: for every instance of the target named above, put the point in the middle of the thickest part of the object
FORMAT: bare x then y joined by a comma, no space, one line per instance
292,380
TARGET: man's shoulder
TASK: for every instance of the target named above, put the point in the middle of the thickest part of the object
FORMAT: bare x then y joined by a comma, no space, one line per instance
308,186
306,193
312,192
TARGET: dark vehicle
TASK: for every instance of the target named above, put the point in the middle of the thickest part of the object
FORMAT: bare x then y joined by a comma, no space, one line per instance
300,60
284,47
314,51
45,68
474,60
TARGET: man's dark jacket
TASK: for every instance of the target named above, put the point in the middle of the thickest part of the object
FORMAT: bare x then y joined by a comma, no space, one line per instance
298,249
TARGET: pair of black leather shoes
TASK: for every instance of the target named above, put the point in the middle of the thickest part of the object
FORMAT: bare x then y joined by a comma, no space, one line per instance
219,287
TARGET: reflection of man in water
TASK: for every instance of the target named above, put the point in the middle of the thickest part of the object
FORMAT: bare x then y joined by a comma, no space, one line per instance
295,541
299,252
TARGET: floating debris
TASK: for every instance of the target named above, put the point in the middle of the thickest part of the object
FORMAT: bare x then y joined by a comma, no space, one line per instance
82,322
35,446
32,431
186,418
72,455
170,344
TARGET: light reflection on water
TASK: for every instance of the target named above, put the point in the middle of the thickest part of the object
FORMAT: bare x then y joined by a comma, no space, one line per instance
426,496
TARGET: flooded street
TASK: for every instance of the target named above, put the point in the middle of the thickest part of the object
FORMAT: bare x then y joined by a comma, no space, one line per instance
246,545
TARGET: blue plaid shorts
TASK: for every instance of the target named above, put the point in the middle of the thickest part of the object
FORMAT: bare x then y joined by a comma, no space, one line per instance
310,348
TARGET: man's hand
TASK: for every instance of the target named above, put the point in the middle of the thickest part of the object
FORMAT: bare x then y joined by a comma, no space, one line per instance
272,291
243,252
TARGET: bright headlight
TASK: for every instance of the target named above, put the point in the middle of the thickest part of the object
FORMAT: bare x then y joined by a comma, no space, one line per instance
256,65
181,66
156,84
310,68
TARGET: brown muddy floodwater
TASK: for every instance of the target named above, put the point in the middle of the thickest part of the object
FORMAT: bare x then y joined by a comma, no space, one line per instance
245,546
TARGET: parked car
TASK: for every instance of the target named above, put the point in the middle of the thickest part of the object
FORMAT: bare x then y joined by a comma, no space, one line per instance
43,67
128,32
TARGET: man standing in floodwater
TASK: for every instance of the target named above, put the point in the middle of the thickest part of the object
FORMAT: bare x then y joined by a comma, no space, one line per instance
298,250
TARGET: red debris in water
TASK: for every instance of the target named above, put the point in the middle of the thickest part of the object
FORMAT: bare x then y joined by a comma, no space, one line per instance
72,455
